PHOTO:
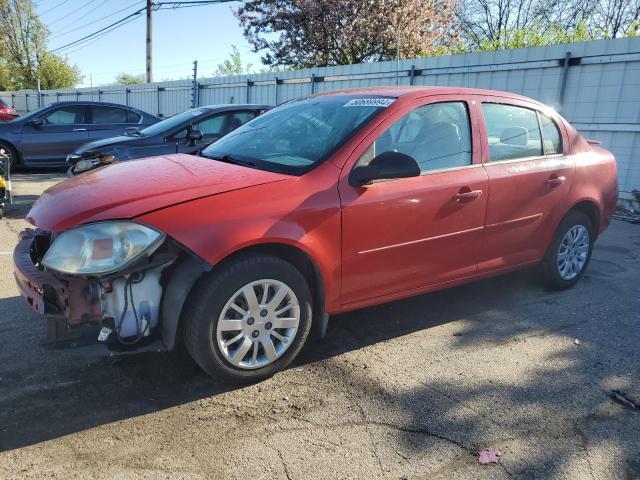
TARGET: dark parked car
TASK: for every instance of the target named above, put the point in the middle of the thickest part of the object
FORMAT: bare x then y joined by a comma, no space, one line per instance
186,132
7,112
46,136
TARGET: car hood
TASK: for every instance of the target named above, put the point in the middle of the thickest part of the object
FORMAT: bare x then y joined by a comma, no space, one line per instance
129,189
106,142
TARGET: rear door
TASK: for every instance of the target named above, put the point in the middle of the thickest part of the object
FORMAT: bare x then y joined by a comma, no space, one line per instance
109,121
409,233
63,129
529,177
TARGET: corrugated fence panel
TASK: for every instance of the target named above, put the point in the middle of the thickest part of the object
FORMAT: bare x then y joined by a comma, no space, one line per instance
601,94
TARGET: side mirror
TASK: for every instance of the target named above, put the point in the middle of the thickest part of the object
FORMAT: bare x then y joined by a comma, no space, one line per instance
36,122
387,165
194,136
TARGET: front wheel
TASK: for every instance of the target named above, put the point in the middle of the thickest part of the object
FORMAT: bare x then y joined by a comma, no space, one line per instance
249,319
569,254
10,153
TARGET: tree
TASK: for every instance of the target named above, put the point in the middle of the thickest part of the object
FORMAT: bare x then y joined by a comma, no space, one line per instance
232,65
499,24
307,33
129,79
25,58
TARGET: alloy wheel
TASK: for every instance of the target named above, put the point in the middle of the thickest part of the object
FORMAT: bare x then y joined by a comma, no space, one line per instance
573,252
258,324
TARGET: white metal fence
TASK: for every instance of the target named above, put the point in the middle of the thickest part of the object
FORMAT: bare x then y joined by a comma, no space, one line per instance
596,86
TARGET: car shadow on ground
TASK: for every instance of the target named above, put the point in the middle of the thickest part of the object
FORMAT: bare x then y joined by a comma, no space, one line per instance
81,394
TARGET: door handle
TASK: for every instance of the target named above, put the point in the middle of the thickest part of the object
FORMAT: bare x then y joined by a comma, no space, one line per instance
465,195
556,180
79,129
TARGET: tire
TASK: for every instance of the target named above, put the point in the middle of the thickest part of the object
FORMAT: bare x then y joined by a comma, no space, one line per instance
208,313
554,271
11,152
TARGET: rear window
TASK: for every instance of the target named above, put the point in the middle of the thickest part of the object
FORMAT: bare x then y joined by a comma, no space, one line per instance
513,132
552,139
103,115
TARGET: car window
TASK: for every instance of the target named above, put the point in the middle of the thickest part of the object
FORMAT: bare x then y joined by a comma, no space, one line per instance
211,127
68,115
133,117
552,139
102,115
437,136
513,132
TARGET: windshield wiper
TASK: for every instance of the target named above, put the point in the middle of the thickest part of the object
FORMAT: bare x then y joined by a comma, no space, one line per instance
230,159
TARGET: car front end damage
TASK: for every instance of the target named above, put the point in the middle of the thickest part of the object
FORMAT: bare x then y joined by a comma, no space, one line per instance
117,303
80,163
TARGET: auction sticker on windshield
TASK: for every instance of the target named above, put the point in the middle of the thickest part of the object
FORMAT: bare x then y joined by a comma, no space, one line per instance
370,102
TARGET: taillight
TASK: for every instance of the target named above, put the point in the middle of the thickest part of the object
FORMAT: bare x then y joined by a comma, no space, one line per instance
7,110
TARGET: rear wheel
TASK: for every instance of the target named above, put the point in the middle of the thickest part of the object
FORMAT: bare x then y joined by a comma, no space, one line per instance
10,152
249,319
569,254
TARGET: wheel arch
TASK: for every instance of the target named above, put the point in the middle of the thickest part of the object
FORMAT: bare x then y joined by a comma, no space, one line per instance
303,262
591,210
190,270
19,159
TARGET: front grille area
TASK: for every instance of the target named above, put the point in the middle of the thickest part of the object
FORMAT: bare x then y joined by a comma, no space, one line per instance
41,243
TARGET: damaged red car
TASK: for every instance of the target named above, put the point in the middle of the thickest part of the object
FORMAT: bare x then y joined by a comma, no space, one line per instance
322,205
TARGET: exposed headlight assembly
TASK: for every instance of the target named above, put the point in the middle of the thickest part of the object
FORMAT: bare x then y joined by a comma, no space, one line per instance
101,248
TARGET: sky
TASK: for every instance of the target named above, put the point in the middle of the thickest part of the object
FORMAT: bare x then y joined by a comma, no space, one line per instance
180,36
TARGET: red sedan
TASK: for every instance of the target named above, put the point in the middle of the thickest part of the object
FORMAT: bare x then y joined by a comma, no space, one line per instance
322,205
7,112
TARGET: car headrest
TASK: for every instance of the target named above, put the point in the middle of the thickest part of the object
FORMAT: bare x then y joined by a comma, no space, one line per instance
515,136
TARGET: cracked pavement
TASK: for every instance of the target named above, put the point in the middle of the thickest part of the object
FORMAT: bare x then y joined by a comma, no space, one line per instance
407,390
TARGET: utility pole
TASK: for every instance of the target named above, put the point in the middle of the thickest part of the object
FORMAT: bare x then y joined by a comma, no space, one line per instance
149,42
194,86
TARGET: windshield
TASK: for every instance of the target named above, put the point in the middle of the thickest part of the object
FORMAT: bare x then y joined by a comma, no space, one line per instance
298,135
173,122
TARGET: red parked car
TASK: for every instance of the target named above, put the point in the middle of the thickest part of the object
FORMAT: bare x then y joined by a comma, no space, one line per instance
322,205
7,112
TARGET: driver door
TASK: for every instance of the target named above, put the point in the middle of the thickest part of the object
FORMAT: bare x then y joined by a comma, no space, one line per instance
406,234
62,130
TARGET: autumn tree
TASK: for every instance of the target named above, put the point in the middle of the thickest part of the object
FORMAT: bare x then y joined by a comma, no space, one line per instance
24,58
306,33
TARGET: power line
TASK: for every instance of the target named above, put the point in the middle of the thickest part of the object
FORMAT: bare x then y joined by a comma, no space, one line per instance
66,17
116,24
97,37
65,32
121,22
54,7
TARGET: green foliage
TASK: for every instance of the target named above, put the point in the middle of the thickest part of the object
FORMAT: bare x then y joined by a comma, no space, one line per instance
537,35
232,65
23,55
55,72
129,79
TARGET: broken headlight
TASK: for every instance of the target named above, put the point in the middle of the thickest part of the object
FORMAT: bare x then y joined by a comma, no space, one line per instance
101,248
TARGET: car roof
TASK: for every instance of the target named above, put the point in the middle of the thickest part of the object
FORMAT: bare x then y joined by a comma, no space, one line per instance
417,92
92,102
223,107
